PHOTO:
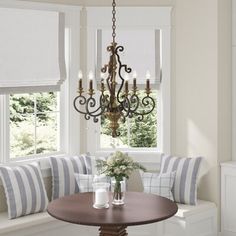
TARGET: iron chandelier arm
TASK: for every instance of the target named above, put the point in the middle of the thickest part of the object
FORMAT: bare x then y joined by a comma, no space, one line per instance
91,103
120,68
147,101
131,105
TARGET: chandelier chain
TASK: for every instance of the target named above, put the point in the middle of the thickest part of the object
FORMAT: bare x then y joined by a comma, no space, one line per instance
114,21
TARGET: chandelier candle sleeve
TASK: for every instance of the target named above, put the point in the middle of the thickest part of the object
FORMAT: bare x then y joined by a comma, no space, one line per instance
80,84
90,84
148,84
102,86
126,87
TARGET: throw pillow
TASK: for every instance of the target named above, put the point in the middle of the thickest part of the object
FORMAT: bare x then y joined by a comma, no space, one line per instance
185,184
63,170
158,184
24,189
85,182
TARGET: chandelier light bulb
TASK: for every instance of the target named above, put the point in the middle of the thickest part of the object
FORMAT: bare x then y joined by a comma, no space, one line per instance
91,75
126,77
148,75
80,74
135,74
102,75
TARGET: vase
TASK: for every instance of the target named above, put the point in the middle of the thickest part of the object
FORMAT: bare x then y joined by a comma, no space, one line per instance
118,190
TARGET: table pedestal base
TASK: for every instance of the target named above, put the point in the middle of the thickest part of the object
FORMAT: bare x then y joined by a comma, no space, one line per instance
113,231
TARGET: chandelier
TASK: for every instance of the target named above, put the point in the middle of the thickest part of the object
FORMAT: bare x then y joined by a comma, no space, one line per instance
114,100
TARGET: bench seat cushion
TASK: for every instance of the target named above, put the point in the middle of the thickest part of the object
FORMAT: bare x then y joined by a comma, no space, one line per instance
7,226
185,211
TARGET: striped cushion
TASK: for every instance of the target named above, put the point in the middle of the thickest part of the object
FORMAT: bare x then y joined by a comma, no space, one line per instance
63,170
185,184
24,188
158,184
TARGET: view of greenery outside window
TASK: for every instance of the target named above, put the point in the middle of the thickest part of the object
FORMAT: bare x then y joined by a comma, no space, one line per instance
133,133
34,124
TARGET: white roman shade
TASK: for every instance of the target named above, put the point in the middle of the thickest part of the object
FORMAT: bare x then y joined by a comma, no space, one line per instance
142,52
31,50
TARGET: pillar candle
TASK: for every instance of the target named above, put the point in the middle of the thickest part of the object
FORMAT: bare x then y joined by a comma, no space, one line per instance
101,197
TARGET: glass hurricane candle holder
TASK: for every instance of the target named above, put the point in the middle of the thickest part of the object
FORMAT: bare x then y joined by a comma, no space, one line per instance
101,195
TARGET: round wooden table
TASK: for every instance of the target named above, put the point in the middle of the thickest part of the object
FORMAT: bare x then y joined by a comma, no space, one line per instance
139,208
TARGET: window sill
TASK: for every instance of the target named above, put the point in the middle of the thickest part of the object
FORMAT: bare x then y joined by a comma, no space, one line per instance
43,161
142,155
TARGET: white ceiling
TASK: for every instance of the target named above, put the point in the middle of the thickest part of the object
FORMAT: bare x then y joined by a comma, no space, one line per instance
108,2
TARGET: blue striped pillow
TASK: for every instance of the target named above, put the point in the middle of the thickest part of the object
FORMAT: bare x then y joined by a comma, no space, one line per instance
63,170
24,189
185,184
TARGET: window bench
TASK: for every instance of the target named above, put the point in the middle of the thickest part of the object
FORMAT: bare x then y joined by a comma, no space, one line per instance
189,220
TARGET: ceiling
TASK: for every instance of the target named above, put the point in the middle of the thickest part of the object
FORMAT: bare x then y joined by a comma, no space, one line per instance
108,2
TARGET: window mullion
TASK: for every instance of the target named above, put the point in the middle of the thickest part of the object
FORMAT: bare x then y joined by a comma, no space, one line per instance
128,132
4,128
35,123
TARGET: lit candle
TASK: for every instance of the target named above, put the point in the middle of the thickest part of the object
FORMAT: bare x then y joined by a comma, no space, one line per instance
90,77
148,76
101,197
80,76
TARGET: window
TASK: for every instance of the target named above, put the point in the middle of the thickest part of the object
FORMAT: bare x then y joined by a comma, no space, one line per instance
133,133
34,124
34,121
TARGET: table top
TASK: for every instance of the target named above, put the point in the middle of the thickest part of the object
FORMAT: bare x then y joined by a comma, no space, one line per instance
139,208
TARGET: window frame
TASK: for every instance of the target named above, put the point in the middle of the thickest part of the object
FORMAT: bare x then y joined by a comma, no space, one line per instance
155,18
35,114
69,123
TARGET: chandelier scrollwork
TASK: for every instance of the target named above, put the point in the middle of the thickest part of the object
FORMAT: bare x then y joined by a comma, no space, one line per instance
115,101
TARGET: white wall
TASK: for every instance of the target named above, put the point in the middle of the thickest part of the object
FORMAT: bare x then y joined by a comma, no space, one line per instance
202,81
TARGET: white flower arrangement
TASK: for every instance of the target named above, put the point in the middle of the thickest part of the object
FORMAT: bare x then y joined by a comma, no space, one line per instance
119,165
